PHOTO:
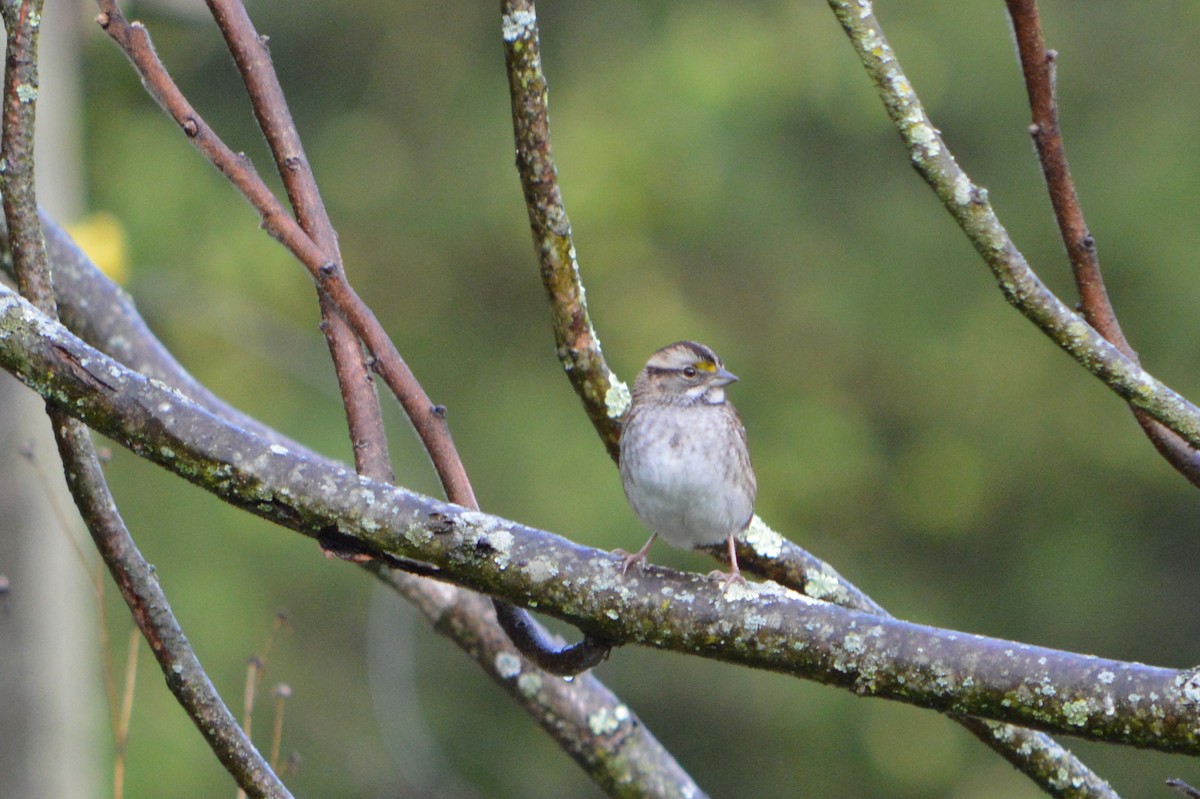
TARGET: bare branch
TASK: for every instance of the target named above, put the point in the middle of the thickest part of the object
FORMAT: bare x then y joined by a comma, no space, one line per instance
363,413
253,60
98,311
323,261
1038,66
592,724
21,25
968,204
426,417
1045,761
1183,788
139,586
604,396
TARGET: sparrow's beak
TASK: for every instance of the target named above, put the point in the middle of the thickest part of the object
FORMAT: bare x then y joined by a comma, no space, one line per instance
723,377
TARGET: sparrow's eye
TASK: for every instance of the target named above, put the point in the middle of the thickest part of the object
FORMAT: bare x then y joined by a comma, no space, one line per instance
689,372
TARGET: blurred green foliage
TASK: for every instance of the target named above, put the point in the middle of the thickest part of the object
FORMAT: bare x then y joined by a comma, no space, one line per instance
731,178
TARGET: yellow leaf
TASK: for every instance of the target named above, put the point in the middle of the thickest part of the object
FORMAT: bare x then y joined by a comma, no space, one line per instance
102,237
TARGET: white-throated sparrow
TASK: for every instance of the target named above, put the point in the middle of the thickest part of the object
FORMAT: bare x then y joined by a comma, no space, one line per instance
684,462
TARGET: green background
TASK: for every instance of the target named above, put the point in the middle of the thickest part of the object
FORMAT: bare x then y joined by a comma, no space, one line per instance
731,177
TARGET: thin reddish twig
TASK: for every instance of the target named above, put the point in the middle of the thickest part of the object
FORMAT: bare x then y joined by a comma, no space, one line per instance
364,416
1039,67
253,60
362,409
427,418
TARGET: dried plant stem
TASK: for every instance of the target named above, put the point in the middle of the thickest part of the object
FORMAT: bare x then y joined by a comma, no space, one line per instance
282,694
122,722
249,687
96,579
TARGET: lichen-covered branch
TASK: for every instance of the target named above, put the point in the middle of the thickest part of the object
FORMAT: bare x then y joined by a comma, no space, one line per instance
761,625
1044,760
588,721
968,204
97,310
604,396
22,22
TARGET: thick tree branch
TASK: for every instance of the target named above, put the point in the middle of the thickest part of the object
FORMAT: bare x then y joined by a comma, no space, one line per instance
97,310
1038,67
758,625
587,720
1037,755
105,317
